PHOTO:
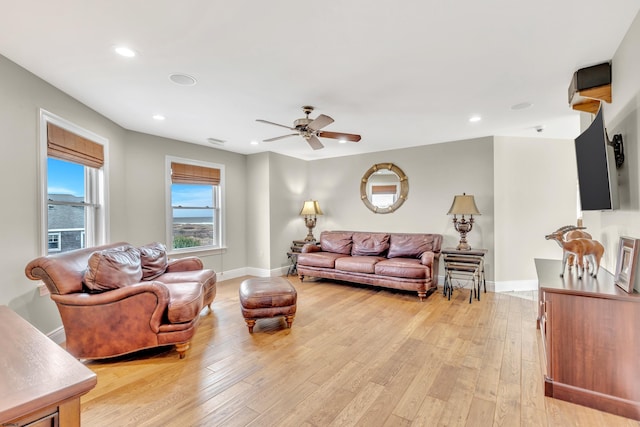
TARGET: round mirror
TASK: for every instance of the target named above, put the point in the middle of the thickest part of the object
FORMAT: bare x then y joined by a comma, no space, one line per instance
384,188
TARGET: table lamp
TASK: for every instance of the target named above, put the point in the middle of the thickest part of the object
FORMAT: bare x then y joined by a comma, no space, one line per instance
463,205
310,209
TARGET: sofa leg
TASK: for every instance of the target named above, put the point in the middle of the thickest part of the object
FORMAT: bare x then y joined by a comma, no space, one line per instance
182,348
422,295
301,277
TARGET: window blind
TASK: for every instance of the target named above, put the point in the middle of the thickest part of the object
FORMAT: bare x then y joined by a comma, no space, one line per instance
65,145
383,189
190,174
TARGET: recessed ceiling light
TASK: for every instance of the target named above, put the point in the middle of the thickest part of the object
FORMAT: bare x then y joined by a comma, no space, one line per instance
474,119
521,106
125,51
159,117
182,79
254,142
342,141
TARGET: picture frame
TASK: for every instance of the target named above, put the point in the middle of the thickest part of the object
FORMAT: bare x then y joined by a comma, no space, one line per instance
626,263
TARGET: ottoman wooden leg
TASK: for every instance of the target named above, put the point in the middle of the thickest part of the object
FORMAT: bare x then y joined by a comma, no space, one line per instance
290,320
250,324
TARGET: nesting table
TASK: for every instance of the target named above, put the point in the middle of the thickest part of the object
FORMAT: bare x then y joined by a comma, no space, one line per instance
467,265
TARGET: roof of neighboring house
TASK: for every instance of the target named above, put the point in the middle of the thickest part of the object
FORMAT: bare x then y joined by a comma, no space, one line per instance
65,216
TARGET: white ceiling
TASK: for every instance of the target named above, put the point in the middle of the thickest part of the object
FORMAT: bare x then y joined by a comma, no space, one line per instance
400,73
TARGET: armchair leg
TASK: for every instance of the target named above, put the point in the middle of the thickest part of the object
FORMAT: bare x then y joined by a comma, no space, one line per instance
182,348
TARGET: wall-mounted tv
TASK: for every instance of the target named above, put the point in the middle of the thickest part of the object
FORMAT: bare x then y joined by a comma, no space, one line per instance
597,176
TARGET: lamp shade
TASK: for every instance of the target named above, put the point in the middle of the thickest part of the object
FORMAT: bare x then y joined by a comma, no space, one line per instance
463,205
311,207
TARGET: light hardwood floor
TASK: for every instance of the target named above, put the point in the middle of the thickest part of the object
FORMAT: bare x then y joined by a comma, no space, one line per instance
354,356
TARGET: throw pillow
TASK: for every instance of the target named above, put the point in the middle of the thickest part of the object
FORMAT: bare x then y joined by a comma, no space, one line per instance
409,245
370,244
338,242
153,260
113,268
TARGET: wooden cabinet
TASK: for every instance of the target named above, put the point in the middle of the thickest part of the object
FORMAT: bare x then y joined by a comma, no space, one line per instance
40,383
589,331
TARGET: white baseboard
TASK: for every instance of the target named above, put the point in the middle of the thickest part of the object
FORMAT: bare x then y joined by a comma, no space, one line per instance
515,285
57,335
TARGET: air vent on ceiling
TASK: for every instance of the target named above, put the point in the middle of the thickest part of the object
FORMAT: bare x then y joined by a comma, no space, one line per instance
215,141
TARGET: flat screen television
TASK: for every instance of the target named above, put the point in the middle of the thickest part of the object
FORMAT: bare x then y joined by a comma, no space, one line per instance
597,176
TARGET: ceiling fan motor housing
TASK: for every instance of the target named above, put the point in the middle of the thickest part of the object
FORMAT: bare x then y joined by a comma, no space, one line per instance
302,123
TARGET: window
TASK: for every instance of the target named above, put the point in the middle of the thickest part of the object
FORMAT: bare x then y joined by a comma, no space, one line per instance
54,241
73,208
383,196
194,215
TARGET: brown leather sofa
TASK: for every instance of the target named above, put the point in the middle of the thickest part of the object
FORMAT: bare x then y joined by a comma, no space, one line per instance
115,299
392,260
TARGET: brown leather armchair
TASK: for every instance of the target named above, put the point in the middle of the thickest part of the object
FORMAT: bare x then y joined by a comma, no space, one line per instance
161,309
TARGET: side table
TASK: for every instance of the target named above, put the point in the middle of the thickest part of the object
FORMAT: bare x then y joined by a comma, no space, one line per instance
296,248
464,264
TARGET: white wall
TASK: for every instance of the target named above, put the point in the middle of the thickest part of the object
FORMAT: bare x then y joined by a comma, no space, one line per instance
535,193
258,235
622,116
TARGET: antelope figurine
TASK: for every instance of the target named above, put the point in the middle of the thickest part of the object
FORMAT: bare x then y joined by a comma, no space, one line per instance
582,249
577,233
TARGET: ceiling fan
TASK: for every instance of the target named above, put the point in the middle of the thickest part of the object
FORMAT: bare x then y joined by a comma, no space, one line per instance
310,129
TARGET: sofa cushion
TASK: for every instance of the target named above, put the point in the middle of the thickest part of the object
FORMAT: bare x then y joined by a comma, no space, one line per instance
358,264
153,260
338,242
113,268
319,259
410,245
408,268
185,301
365,244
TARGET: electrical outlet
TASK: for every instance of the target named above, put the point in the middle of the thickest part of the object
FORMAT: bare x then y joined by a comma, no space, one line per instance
42,288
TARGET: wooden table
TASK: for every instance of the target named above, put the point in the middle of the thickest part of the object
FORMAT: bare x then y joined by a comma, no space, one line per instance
40,383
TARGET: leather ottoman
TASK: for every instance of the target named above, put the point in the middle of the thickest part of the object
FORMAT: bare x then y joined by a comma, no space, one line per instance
264,297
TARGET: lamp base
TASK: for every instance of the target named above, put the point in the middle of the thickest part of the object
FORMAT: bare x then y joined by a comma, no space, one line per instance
310,222
463,246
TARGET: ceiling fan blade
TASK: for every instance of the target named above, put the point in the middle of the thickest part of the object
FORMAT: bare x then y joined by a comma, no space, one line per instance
314,142
338,135
320,122
275,124
279,137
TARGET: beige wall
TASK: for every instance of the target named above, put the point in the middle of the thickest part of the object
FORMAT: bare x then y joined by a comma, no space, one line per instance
436,174
21,96
145,194
535,193
622,116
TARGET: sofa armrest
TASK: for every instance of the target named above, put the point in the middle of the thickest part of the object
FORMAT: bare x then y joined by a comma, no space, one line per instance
427,258
109,301
190,263
310,247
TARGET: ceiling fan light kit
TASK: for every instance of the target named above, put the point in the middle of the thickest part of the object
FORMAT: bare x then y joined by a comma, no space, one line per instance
310,129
